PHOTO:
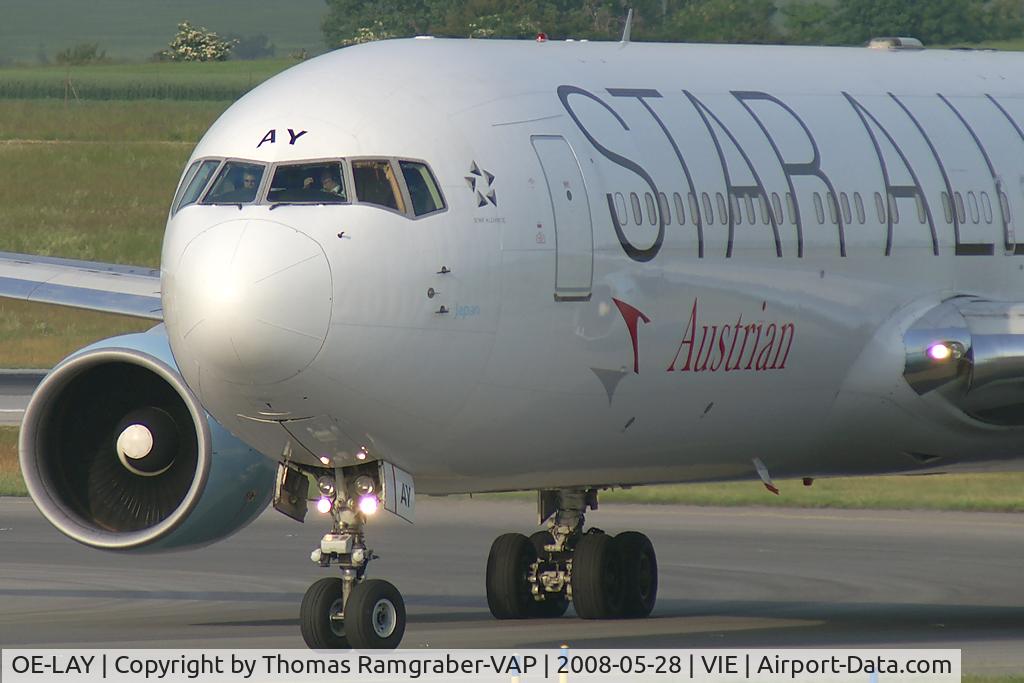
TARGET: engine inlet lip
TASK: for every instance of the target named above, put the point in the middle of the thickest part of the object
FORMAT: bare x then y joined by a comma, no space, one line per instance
38,483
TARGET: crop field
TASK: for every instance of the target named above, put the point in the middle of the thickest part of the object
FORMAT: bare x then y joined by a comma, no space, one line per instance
157,80
90,180
135,29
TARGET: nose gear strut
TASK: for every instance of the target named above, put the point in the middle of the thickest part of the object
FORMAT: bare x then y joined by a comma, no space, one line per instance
350,611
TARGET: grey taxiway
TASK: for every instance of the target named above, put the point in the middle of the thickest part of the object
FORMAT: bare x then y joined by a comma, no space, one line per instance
728,578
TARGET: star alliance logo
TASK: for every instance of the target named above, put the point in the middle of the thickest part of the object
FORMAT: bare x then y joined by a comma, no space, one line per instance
482,182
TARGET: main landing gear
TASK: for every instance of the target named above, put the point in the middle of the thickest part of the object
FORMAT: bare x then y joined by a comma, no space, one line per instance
605,577
350,610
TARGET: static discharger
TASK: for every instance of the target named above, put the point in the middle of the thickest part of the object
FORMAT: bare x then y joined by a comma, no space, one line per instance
766,478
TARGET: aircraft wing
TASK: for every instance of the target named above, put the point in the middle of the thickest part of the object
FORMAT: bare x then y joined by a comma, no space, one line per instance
107,287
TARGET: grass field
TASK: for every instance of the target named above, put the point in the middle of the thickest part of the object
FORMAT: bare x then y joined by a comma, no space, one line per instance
11,483
157,80
135,29
92,180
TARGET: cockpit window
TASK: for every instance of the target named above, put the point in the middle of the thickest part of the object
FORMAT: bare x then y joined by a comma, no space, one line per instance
237,183
376,183
423,192
194,182
313,183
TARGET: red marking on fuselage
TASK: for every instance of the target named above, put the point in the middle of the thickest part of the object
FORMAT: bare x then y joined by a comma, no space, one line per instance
631,315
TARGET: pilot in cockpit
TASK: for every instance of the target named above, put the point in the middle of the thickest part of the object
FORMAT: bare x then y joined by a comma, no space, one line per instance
329,182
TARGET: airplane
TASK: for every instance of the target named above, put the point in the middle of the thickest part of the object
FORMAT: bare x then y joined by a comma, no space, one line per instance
432,266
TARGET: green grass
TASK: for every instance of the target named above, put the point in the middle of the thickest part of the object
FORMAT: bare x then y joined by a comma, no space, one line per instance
11,483
102,202
157,80
38,336
991,679
996,492
95,183
135,29
105,121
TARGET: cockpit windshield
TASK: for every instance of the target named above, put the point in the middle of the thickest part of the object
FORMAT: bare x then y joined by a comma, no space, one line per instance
237,183
312,183
404,186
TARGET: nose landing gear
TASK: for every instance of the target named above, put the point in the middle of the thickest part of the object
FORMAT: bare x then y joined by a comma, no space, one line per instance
350,611
605,577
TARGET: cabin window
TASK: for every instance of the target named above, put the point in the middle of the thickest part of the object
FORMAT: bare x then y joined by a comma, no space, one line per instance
666,210
947,207
819,210
376,183
237,183
748,201
844,203
694,209
652,217
723,213
1005,206
791,207
736,210
880,208
620,208
972,204
986,207
680,214
310,183
194,182
423,191
709,216
858,204
833,209
635,201
894,209
921,214
762,207
777,207
961,215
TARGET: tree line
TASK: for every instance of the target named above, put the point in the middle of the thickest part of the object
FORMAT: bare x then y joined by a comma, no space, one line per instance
817,22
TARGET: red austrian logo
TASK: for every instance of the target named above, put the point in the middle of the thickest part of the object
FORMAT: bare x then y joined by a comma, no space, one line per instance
756,346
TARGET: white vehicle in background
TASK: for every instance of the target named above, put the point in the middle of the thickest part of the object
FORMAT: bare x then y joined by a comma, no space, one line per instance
444,266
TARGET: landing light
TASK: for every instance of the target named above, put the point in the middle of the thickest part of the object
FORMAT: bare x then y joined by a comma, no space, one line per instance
324,505
327,486
364,485
368,505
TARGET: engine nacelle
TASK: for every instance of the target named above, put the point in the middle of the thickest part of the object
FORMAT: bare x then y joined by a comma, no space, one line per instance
118,453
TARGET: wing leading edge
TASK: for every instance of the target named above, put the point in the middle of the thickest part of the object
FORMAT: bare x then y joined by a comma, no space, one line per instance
107,287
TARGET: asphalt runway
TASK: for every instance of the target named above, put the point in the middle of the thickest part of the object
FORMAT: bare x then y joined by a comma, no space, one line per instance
16,387
729,578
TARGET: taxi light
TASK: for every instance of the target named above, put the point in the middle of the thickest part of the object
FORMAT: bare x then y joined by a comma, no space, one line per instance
324,505
368,505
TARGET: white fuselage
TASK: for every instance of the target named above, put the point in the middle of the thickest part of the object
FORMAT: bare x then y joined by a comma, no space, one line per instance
829,197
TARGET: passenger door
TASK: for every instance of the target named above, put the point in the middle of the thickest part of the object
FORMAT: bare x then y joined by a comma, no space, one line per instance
574,239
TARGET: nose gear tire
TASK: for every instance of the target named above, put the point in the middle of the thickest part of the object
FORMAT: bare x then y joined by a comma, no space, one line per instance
319,630
374,616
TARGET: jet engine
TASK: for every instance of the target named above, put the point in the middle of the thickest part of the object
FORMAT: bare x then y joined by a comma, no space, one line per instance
118,453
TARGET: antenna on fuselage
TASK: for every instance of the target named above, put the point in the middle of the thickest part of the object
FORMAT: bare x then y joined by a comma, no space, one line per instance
628,27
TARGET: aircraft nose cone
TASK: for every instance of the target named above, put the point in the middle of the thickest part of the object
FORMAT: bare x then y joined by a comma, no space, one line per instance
251,301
